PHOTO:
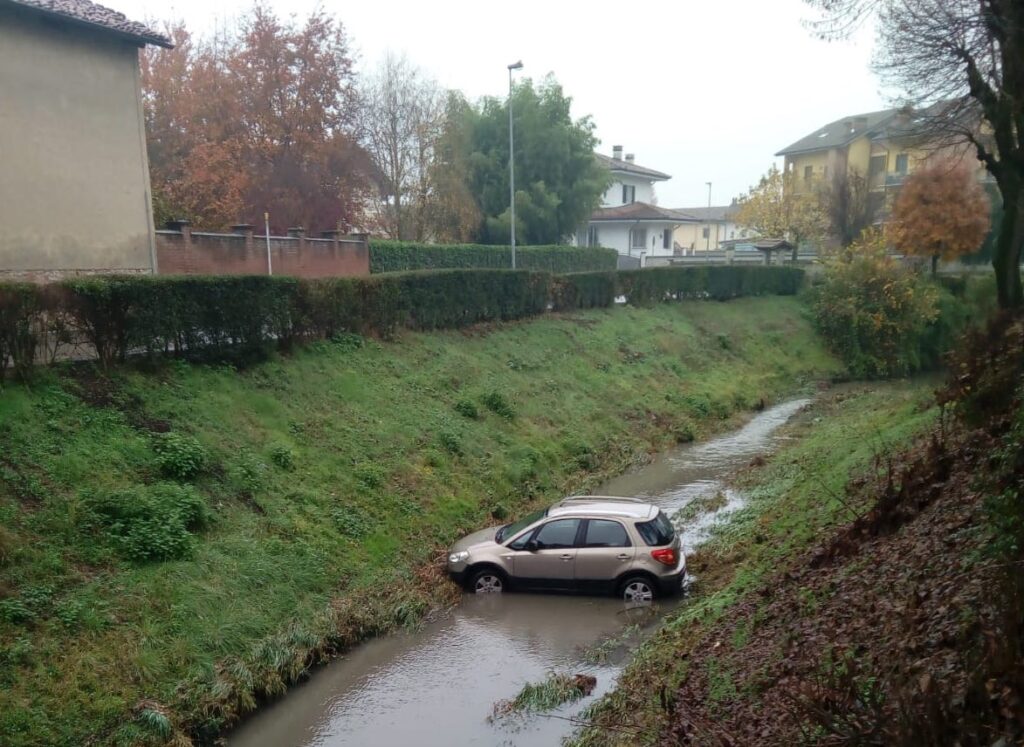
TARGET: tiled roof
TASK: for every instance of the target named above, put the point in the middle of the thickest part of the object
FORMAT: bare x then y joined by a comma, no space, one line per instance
88,13
640,211
839,133
627,167
714,213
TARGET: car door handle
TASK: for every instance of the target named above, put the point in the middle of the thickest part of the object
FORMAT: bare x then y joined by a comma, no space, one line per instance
622,557
566,557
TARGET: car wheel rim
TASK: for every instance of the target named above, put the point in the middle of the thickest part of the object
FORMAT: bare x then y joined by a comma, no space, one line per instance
488,585
638,591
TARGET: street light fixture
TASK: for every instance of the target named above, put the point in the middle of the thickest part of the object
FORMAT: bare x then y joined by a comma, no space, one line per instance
707,247
511,159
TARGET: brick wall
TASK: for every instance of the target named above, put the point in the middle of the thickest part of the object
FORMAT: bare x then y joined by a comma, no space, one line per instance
180,251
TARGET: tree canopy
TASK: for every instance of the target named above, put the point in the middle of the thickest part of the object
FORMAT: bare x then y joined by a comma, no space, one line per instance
558,180
941,211
258,118
776,208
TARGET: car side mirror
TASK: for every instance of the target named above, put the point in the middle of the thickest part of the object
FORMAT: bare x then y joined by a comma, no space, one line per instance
532,546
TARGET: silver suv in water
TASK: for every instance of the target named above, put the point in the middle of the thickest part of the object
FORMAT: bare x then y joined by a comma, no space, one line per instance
583,543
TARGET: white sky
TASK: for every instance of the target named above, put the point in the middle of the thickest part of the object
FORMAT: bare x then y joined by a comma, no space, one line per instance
705,90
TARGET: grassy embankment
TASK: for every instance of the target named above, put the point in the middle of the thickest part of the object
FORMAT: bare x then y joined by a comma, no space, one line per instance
327,482
796,498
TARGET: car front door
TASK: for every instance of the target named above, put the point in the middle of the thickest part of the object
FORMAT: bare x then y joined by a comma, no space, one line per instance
604,553
547,559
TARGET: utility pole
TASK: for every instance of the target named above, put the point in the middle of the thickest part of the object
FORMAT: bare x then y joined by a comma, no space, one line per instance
266,226
511,159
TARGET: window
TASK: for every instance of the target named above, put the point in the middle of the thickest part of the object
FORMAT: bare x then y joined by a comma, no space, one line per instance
511,530
705,233
593,239
878,164
628,194
638,238
557,534
808,173
657,531
666,238
901,163
603,533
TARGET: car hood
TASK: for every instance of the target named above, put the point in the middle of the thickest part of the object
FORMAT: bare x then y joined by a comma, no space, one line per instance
484,536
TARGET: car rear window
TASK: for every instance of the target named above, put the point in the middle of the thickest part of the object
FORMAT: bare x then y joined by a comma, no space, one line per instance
657,531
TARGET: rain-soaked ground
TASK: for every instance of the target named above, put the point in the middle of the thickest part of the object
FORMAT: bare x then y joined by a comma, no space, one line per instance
439,684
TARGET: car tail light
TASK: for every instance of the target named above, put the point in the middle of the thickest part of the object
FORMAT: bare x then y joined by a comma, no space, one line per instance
665,555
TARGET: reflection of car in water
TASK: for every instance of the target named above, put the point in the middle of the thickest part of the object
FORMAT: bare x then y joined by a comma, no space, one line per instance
582,543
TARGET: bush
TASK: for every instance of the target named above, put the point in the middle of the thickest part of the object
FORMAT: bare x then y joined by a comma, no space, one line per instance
149,523
397,256
467,409
283,457
717,282
21,308
583,290
178,456
496,403
198,316
875,313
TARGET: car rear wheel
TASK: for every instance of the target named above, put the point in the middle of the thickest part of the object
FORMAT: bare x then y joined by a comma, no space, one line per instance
487,581
637,589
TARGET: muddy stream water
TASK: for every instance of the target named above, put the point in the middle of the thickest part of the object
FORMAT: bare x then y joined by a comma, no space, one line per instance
438,684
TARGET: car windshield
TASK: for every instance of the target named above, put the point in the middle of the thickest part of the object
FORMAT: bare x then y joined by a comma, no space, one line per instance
510,530
658,531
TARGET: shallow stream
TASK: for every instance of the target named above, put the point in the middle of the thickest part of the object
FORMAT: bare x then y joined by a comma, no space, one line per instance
439,684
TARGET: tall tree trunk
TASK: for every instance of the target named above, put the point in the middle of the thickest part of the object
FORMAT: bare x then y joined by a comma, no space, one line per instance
935,265
1006,259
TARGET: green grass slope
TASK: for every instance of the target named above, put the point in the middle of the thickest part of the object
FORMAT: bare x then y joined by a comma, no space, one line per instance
179,542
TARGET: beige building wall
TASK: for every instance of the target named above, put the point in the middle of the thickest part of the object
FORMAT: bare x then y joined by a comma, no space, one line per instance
74,185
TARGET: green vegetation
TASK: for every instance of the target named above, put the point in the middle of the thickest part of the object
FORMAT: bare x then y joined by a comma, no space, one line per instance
186,540
885,319
539,697
794,500
394,256
241,318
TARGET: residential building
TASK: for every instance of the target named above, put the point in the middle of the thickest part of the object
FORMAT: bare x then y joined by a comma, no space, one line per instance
882,147
628,220
74,188
714,225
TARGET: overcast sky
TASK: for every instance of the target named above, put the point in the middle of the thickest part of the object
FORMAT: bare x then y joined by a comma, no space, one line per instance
705,90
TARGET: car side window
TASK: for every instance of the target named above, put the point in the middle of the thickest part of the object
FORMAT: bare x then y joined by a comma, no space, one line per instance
603,533
557,534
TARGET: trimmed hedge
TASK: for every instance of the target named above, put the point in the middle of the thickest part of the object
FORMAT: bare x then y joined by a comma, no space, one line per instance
584,290
240,317
399,256
716,282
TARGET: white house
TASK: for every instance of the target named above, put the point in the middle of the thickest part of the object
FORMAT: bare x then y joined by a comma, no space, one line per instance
628,220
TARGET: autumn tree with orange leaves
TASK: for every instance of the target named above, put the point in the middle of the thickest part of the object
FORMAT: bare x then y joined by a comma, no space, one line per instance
941,212
259,118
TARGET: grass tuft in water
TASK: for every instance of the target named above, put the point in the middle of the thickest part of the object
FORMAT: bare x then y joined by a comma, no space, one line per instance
540,697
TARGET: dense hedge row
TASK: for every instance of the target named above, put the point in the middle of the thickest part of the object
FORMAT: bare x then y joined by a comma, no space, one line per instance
399,256
241,316
717,282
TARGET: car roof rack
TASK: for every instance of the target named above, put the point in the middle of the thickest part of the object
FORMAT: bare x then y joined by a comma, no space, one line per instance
600,499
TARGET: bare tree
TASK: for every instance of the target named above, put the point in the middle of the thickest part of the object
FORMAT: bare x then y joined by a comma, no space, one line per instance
400,122
847,204
960,65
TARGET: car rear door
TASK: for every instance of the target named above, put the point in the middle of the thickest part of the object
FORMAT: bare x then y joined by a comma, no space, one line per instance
552,564
605,552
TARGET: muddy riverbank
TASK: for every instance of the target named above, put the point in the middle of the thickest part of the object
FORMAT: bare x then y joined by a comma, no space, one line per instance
438,685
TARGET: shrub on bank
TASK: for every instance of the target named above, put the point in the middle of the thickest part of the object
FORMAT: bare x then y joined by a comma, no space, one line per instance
882,318
398,256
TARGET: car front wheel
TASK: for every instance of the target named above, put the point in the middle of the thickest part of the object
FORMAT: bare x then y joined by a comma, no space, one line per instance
637,589
487,581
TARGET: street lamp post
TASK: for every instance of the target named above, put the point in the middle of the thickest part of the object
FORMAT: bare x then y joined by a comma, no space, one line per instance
707,247
511,159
